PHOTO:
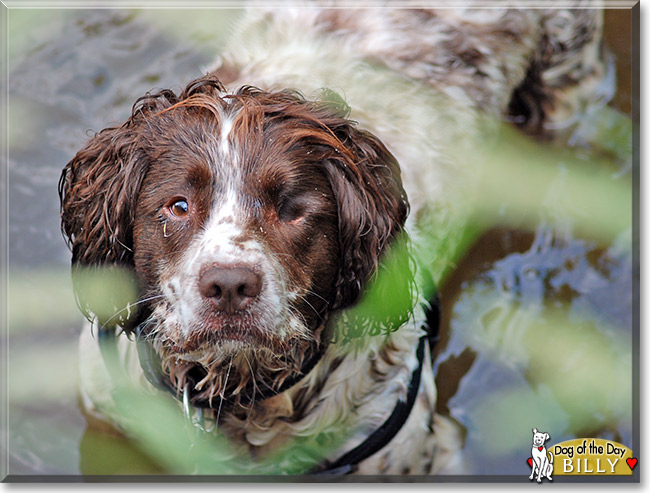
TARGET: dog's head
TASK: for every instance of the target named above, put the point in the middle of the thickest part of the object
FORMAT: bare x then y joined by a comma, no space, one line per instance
247,218
540,438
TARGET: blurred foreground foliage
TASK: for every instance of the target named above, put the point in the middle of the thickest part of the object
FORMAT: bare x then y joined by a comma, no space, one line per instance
522,182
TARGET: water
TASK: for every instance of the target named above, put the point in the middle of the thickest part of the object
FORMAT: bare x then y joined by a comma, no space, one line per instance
75,72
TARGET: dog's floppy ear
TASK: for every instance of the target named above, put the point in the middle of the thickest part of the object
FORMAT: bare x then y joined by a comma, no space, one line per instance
97,189
534,430
548,437
372,208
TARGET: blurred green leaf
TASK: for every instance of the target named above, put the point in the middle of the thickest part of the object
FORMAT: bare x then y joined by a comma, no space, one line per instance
522,181
40,299
110,292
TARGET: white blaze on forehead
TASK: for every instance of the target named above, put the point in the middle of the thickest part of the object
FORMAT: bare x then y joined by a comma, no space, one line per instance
227,117
226,127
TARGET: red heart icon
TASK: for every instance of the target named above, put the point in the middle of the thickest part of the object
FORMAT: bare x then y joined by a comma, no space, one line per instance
540,448
530,461
631,461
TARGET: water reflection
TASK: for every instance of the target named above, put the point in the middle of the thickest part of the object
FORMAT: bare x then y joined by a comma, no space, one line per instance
541,334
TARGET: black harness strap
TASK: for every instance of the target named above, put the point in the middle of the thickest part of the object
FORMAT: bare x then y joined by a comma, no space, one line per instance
348,462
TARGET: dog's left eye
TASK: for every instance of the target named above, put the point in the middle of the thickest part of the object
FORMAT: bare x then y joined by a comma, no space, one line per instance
291,209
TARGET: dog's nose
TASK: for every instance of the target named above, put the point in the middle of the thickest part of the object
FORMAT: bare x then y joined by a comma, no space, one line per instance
230,289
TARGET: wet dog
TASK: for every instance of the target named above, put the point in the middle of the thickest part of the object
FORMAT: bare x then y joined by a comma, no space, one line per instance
284,218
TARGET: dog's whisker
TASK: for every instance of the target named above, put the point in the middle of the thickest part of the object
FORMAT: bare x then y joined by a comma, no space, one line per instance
310,305
221,396
130,306
314,293
254,382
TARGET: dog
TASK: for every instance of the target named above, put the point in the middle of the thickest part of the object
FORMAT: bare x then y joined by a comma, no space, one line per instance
262,211
542,460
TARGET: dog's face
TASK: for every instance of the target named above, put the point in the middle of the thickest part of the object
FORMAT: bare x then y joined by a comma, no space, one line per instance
540,438
246,218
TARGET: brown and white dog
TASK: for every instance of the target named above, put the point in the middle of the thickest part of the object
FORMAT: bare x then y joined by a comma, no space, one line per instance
256,206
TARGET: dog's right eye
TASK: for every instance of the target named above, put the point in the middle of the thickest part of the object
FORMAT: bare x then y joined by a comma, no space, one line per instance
179,208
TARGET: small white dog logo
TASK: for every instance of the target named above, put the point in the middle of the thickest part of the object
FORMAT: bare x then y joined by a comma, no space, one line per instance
542,461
